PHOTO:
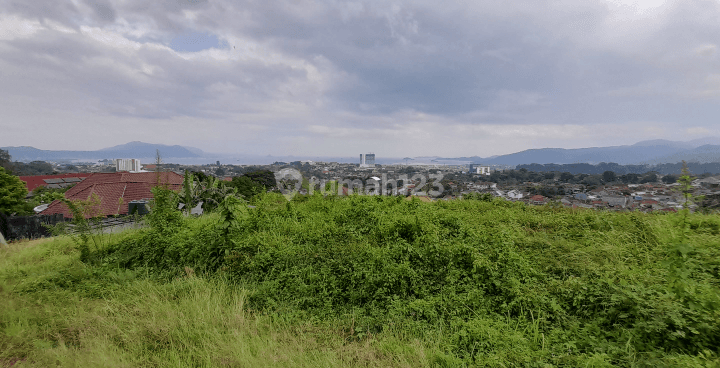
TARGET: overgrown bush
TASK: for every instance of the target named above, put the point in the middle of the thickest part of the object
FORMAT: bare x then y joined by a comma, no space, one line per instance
496,282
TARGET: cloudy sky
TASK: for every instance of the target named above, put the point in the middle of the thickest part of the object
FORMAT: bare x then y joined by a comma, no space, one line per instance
337,78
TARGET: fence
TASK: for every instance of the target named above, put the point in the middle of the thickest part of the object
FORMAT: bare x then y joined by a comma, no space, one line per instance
28,227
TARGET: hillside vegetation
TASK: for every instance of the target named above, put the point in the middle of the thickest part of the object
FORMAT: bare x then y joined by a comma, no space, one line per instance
371,281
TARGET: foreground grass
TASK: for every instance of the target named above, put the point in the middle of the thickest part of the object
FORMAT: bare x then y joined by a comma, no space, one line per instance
364,281
122,319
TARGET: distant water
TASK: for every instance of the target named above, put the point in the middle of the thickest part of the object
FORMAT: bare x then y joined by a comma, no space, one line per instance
251,160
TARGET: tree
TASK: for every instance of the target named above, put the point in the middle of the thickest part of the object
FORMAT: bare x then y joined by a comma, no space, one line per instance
208,191
246,186
5,160
686,188
190,194
214,192
158,170
200,176
669,179
263,177
609,176
630,178
253,183
34,168
43,194
649,178
566,177
593,180
12,193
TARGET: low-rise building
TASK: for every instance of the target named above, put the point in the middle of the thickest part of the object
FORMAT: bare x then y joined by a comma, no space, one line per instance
114,192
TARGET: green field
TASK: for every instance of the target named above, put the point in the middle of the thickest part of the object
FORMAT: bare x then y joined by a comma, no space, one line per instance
369,281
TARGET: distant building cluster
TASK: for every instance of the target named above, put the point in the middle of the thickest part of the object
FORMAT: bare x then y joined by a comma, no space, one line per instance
127,164
367,160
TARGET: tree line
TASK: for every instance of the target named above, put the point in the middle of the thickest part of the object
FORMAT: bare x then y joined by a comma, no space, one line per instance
510,177
662,169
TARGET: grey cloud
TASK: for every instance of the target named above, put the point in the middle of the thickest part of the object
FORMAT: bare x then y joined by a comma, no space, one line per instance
63,12
359,63
102,9
423,62
99,78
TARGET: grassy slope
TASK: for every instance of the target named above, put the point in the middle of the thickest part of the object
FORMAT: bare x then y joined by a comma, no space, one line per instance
126,320
374,282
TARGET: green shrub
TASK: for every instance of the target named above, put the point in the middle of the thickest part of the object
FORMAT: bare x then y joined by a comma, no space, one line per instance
492,281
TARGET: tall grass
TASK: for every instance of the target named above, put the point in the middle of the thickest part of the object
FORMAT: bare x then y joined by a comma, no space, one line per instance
386,281
190,321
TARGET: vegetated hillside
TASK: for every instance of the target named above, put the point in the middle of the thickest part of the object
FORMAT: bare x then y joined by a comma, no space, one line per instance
663,169
129,150
486,282
655,152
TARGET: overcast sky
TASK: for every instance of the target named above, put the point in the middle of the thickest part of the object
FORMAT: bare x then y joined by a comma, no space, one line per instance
329,77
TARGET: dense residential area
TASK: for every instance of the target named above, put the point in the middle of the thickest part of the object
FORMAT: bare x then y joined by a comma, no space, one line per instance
646,192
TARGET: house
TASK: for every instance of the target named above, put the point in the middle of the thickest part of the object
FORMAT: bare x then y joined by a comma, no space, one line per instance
581,196
53,181
115,191
514,194
615,201
485,185
538,199
651,203
711,182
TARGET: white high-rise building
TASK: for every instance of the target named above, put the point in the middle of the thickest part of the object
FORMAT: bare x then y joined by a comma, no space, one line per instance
367,160
127,164
480,169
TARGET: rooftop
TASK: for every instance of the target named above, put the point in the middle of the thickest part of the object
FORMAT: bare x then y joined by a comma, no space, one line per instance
115,191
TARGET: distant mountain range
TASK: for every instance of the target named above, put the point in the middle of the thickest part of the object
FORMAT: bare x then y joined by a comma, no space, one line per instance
651,152
129,150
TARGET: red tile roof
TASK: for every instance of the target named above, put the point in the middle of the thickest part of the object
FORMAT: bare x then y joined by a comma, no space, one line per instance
111,188
34,181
